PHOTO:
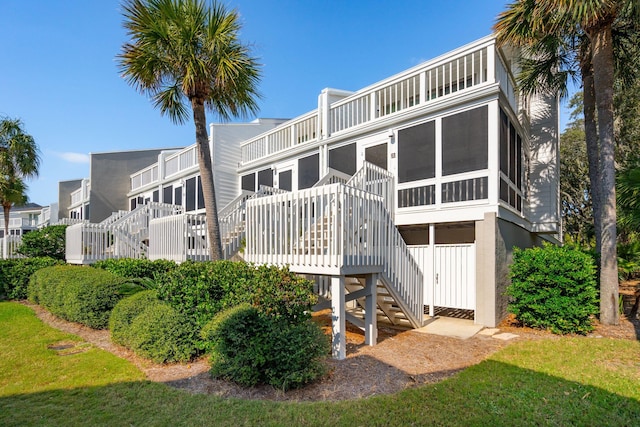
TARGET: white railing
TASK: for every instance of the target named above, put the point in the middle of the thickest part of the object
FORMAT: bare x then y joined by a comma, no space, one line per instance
180,161
334,230
11,249
333,176
122,236
457,71
179,238
297,131
146,176
376,180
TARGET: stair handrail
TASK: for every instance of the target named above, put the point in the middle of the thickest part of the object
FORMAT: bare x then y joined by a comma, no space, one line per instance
333,176
235,203
374,179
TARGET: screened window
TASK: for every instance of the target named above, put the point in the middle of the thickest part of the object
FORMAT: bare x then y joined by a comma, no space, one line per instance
265,177
417,152
156,196
132,204
465,141
377,155
285,180
177,196
200,195
249,182
308,171
343,159
167,192
190,195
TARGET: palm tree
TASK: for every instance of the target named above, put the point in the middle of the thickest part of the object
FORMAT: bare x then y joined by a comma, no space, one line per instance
184,51
526,23
19,159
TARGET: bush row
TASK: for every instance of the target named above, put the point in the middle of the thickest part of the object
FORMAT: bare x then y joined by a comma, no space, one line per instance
79,294
136,268
15,274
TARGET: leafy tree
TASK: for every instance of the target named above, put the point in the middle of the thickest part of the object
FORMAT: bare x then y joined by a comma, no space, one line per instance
184,51
46,242
19,159
527,23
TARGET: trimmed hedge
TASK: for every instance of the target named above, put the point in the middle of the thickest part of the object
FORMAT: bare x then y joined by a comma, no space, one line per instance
136,268
554,288
15,274
162,334
201,290
126,311
249,347
79,294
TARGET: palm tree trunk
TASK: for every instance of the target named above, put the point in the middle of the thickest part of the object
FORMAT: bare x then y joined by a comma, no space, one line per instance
206,177
602,59
593,149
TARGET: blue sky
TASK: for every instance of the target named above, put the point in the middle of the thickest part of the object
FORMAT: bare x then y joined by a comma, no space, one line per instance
59,73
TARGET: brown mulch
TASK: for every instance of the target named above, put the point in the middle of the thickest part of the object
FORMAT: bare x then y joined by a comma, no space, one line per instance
400,360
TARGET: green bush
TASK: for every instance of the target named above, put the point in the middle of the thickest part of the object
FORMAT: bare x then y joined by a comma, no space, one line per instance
46,242
553,288
15,274
125,311
79,294
249,347
201,290
629,259
136,268
162,334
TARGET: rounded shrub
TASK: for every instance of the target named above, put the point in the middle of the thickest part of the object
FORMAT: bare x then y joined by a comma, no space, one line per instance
162,334
45,242
78,294
553,288
249,348
126,311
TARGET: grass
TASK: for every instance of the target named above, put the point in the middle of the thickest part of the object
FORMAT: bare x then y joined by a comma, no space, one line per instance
566,381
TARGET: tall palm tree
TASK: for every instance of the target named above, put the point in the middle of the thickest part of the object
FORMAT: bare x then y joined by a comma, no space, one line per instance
19,159
525,23
187,51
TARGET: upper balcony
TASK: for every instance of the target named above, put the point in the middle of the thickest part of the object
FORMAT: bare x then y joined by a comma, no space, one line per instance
462,70
169,163
81,195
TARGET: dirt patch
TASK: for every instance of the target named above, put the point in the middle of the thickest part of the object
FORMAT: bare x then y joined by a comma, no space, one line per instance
402,359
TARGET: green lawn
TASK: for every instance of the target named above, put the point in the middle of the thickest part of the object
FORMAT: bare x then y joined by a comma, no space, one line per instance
568,381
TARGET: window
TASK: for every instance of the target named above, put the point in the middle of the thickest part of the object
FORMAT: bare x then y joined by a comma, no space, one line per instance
190,194
285,180
177,196
308,171
156,196
132,204
417,152
343,159
167,193
465,141
511,163
249,182
377,155
265,177
200,195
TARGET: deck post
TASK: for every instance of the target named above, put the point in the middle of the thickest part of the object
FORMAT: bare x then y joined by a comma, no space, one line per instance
370,315
338,314
432,257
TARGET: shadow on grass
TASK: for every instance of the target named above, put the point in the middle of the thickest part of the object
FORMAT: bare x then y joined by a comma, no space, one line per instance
491,393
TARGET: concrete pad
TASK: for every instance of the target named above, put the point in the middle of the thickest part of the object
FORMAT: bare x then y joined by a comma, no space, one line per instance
489,331
451,327
505,336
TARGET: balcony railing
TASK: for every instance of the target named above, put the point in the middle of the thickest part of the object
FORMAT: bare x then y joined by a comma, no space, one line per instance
460,70
144,177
